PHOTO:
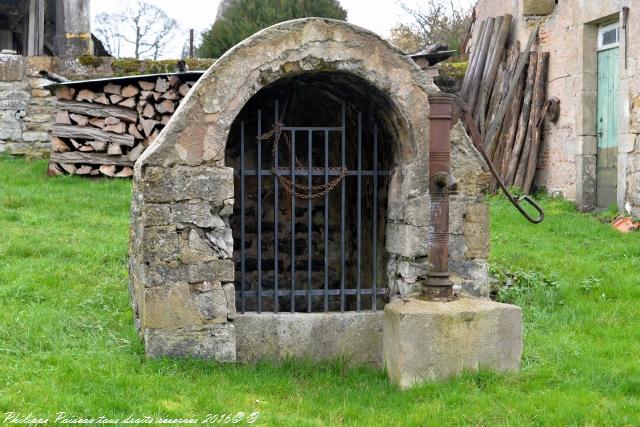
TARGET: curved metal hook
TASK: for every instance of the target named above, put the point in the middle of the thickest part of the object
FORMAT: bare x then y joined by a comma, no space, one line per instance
479,144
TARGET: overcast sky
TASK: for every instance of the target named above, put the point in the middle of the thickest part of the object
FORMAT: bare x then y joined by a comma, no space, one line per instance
377,15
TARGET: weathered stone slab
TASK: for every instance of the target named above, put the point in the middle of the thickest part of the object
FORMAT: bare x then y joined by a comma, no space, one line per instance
12,67
217,270
317,336
216,342
163,185
198,213
16,100
407,240
426,341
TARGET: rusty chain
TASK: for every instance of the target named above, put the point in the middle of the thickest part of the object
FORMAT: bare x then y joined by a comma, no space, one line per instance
309,192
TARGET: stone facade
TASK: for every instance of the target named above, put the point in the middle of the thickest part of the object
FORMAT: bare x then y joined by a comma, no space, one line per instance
181,247
569,32
27,111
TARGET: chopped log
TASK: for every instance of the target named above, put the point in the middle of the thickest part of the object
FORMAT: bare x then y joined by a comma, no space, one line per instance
476,79
75,143
95,172
142,102
54,170
108,170
97,122
170,94
152,138
148,111
116,128
174,81
165,119
58,145
492,68
98,145
183,90
112,88
128,103
84,170
126,172
111,120
62,117
94,110
114,150
92,158
86,95
146,95
139,109
115,99
101,98
148,126
165,106
147,86
67,131
86,148
514,157
133,130
510,131
536,121
65,92
68,168
501,88
79,119
130,91
522,62
161,85
136,152
472,63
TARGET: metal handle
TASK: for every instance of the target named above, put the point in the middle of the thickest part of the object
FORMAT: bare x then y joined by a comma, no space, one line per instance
535,205
479,144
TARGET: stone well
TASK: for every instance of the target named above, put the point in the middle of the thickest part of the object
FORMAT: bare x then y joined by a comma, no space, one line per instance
181,264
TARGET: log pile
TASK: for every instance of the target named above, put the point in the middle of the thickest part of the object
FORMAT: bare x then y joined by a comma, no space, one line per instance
102,128
505,89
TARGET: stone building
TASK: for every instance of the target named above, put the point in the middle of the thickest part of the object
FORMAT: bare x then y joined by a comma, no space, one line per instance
591,155
35,36
206,279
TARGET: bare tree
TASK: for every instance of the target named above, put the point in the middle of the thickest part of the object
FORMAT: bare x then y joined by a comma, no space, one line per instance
143,26
439,21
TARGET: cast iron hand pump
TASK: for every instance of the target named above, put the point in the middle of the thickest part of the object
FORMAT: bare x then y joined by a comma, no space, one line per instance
445,109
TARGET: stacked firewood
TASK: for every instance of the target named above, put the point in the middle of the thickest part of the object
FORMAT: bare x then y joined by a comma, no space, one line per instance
102,131
505,89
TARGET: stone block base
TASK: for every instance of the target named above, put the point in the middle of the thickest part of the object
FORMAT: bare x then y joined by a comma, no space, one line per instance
356,336
216,342
433,340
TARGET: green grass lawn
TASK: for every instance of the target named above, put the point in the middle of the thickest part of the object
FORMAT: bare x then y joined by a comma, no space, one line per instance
67,341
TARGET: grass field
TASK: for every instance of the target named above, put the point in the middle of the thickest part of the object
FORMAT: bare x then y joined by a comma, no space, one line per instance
67,341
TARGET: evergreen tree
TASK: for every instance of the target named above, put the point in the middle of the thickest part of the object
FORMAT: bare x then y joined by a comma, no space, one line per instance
243,18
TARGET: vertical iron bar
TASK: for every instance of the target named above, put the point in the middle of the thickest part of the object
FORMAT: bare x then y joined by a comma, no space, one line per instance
359,220
276,214
293,222
309,183
342,213
242,237
259,213
326,222
374,236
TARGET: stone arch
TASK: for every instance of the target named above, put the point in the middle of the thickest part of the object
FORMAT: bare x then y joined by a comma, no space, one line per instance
181,267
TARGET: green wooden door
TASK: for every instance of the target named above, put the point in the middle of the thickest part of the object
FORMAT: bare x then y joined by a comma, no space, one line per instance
607,127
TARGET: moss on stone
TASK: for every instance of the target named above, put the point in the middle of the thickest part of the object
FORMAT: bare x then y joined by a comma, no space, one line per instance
132,66
90,61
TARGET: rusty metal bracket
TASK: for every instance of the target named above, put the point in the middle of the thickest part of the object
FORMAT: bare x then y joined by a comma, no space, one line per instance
477,140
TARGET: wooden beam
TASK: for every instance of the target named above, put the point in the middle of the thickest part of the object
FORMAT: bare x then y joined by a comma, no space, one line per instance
90,158
98,110
68,131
